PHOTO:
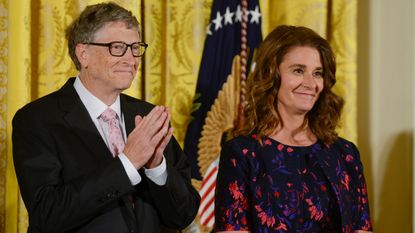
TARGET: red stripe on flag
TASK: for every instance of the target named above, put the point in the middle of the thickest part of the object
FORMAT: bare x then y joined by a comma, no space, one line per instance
211,187
213,171
205,223
209,202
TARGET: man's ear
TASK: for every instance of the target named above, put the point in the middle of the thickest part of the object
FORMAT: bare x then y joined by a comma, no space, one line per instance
82,54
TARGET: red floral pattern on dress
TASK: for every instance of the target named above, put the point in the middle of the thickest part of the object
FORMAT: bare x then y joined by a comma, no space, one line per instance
315,213
280,188
266,220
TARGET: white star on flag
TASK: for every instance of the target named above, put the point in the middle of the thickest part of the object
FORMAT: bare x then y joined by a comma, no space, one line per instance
208,31
228,16
218,21
238,15
255,15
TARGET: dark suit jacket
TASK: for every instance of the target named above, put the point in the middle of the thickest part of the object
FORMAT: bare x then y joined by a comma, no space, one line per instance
70,181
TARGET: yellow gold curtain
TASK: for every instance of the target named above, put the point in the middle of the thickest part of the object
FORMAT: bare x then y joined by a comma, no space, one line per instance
34,61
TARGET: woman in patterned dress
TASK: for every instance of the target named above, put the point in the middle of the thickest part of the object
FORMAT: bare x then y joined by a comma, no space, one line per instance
287,170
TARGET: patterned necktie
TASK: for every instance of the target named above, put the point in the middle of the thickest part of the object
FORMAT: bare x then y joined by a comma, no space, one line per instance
115,138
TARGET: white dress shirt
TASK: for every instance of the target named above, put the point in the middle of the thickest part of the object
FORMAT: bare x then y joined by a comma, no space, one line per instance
95,108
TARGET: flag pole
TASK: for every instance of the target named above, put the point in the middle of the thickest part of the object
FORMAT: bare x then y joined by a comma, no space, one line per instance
244,59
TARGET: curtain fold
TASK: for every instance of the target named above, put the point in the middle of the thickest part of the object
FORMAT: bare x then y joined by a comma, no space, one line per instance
34,61
175,31
16,89
342,29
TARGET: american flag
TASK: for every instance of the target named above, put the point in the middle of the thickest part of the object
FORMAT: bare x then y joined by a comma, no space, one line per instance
223,42
207,194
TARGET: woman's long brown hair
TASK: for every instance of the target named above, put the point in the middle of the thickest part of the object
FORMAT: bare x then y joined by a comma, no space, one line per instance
261,116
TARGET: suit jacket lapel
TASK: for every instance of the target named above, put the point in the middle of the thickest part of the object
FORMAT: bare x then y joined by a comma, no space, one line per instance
80,121
129,114
131,108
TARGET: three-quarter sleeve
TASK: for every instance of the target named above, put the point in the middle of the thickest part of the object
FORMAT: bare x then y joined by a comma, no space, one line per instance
232,189
364,222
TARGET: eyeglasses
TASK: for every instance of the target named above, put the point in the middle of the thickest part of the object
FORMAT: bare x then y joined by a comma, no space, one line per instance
118,48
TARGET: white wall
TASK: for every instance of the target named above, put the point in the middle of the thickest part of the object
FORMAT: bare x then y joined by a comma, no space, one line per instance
386,109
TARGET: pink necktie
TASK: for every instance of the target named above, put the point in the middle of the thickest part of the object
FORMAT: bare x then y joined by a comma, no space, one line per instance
115,138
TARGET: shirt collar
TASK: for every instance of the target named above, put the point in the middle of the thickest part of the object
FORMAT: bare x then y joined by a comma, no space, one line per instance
94,105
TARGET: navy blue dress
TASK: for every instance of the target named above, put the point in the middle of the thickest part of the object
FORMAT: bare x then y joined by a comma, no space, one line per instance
278,188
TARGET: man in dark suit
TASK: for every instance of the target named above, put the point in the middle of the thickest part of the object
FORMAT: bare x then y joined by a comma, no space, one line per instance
90,159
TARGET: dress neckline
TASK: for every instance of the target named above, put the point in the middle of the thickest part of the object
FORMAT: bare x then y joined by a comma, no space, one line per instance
292,146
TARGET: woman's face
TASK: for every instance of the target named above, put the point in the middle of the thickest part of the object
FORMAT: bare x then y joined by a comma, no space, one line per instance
301,80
